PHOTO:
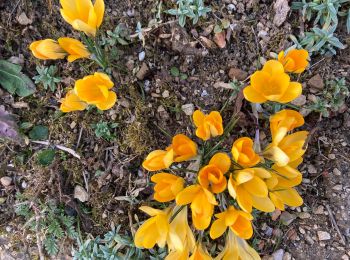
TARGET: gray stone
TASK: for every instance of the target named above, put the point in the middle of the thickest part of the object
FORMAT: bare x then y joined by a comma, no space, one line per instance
323,235
81,194
6,181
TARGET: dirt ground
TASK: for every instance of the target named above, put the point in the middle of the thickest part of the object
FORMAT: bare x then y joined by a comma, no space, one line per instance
150,104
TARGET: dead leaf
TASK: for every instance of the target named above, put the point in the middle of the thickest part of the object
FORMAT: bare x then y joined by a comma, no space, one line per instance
221,84
275,214
20,105
220,40
207,43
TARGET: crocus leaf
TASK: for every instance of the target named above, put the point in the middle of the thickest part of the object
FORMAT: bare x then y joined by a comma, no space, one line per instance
46,157
14,81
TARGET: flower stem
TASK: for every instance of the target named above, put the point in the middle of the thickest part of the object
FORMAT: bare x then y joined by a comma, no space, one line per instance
176,213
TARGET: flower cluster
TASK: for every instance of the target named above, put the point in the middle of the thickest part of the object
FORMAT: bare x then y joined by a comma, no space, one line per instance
264,181
226,187
93,89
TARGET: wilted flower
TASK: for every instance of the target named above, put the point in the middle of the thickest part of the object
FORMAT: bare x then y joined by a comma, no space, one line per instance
158,160
208,125
202,204
83,15
248,187
237,248
238,221
74,48
71,102
184,148
167,186
95,90
273,84
180,237
294,61
154,230
47,49
243,152
200,253
284,121
289,149
212,177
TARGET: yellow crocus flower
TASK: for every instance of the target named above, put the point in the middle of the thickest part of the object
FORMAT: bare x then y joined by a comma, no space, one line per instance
202,204
273,84
289,149
184,148
200,253
243,152
208,125
71,102
47,49
95,90
167,186
284,121
74,48
154,230
248,187
212,177
83,15
238,221
294,61
237,248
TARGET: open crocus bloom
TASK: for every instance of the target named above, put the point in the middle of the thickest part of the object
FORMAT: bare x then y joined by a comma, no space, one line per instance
154,230
294,61
212,177
83,15
289,149
200,253
248,187
202,204
184,148
243,152
95,90
71,102
74,48
158,160
208,125
167,186
273,84
284,121
47,49
237,248
238,221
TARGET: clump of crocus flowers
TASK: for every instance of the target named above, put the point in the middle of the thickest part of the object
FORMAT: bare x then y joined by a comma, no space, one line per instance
95,89
223,190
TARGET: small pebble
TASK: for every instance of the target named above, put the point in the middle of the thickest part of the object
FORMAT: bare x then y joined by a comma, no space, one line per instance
323,235
165,94
188,109
6,181
331,156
